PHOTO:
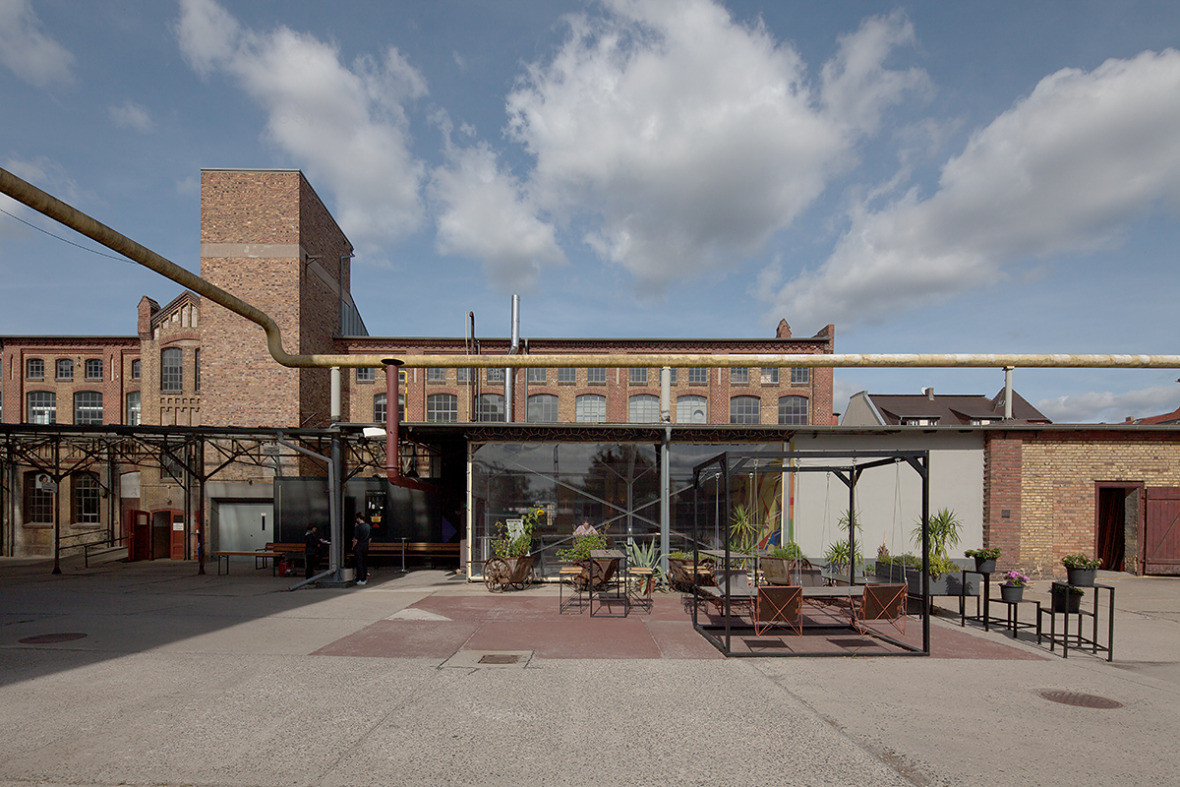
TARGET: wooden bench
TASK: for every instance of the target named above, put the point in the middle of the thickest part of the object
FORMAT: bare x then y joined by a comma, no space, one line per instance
262,555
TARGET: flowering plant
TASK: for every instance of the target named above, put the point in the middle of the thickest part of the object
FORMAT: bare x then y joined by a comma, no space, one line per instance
1080,561
1016,579
508,543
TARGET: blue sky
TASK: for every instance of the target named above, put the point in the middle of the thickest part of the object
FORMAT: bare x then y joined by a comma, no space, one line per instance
929,177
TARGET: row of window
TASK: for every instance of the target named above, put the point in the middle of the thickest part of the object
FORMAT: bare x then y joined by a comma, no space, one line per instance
694,376
591,408
87,408
171,369
63,369
84,498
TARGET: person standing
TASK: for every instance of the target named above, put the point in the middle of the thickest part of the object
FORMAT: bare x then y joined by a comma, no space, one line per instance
360,548
312,543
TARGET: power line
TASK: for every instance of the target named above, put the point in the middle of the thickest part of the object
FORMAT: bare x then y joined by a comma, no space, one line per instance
66,240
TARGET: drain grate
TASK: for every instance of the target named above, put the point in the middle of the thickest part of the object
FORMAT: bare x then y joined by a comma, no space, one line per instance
49,639
1079,700
499,658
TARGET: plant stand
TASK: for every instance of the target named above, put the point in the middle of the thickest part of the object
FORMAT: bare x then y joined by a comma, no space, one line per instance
983,617
1012,619
1079,640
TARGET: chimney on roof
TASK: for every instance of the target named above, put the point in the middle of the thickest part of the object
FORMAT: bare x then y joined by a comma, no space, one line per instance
929,393
784,330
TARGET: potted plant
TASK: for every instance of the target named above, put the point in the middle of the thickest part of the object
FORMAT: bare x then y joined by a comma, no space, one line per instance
579,553
513,564
1066,598
985,559
1081,570
1012,588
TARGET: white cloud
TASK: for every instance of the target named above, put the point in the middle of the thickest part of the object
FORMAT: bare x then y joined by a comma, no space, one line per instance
1062,171
346,126
1107,407
133,116
688,139
29,53
486,214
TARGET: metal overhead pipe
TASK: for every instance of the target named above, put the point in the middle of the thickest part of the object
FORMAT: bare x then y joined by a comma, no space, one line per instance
50,206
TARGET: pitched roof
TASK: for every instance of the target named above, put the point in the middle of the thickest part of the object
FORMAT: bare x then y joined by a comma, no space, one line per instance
953,409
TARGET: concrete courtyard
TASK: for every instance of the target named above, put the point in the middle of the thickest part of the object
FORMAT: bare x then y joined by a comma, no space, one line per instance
148,674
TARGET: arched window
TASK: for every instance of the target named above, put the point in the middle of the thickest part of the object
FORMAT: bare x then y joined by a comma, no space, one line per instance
379,411
88,408
37,503
34,369
172,370
442,408
42,407
692,410
84,497
93,368
590,409
542,408
745,410
792,410
643,409
65,369
489,407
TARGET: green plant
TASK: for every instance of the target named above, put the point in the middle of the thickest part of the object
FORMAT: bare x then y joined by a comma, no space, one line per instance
743,530
939,565
517,544
1060,590
945,531
583,545
911,561
788,551
837,554
983,554
1080,561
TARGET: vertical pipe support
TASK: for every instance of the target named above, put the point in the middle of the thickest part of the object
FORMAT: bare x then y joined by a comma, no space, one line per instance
1008,393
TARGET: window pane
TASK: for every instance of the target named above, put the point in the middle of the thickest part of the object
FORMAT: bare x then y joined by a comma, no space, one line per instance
792,410
35,369
88,408
739,375
442,408
136,369
38,504
172,370
800,376
538,375
596,375
436,375
65,369
590,409
637,376
643,408
770,376
463,375
84,491
495,375
379,411
366,374
542,408
42,407
134,409
691,410
698,375
567,375
93,368
745,410
489,407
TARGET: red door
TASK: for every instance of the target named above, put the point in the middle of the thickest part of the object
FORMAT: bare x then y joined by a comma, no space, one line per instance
139,528
1161,531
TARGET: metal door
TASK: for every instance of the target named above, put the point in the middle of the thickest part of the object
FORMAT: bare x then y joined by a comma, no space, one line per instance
244,526
1161,531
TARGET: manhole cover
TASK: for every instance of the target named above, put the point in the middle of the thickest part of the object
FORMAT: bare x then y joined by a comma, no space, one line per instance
499,658
1079,700
49,639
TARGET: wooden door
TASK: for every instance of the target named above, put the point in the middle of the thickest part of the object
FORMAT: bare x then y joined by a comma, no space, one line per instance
139,528
1161,531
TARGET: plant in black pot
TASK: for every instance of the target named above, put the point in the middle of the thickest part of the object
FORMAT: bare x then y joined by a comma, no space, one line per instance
1012,588
1066,598
1081,570
985,559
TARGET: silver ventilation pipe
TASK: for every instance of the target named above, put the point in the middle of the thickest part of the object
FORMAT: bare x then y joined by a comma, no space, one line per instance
513,349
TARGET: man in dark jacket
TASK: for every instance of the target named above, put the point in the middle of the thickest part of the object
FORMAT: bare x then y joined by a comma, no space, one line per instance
312,544
360,548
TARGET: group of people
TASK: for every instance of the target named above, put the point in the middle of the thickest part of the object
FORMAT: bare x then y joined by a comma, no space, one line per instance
313,547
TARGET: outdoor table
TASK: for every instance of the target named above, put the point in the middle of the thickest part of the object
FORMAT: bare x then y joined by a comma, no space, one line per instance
619,559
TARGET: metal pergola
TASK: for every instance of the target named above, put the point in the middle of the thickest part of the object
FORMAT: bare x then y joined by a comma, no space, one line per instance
712,484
